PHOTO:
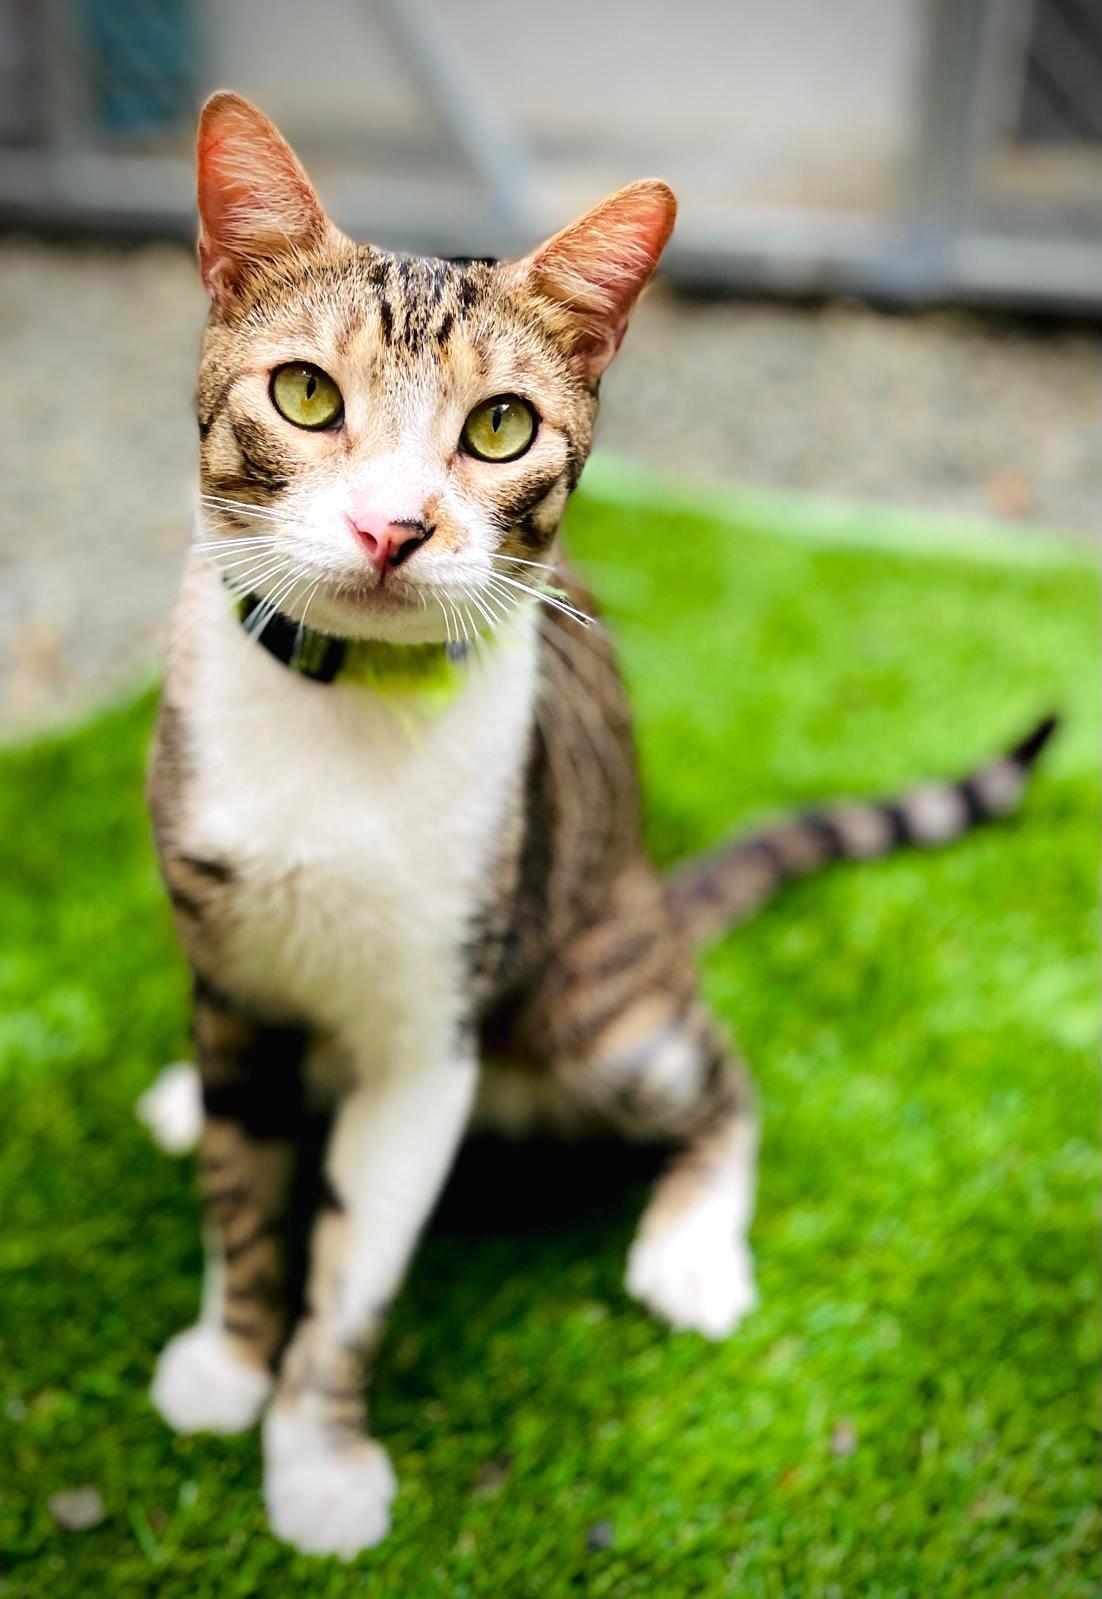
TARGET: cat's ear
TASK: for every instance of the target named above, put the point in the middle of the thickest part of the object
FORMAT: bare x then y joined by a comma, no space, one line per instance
596,268
255,201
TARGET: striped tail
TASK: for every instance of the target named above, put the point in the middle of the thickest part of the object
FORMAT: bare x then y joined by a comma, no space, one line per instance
711,892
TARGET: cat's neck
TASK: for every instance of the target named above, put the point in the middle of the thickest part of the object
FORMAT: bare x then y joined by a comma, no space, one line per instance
211,648
432,668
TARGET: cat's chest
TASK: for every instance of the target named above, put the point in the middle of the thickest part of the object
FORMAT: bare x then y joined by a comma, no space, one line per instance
359,830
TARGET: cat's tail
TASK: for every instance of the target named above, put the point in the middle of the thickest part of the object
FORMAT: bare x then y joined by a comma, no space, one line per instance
713,891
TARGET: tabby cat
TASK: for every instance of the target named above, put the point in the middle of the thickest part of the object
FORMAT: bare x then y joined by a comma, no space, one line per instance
395,802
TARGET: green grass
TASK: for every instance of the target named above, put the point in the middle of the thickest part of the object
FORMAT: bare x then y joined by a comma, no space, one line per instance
924,1034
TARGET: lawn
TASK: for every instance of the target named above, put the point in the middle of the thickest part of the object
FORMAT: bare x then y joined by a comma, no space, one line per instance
912,1410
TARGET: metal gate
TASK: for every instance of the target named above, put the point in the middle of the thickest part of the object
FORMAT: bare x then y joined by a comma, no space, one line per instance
994,194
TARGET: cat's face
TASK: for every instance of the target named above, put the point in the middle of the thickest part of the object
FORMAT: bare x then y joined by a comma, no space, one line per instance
388,442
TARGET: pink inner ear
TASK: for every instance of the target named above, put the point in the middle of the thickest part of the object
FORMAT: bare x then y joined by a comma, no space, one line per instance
597,267
255,201
618,255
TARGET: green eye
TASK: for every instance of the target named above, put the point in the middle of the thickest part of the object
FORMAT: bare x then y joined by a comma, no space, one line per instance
305,396
499,429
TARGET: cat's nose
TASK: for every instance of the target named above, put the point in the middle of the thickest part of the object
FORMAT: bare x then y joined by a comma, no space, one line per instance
390,542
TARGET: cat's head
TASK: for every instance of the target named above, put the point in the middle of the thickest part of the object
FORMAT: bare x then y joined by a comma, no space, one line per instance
388,441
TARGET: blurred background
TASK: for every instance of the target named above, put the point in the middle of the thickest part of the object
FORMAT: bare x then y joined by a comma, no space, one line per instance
885,281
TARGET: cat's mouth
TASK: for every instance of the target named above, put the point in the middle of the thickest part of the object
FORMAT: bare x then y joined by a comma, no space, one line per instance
402,610
389,593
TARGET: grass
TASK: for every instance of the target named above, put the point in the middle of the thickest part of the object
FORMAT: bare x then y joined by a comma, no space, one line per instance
911,1410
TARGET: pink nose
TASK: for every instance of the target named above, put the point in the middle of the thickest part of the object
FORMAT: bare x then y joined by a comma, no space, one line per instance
389,543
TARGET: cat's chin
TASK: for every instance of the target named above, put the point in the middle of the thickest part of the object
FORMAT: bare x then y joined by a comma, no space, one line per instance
398,617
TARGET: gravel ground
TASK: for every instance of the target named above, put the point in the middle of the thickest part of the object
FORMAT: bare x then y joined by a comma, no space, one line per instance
947,411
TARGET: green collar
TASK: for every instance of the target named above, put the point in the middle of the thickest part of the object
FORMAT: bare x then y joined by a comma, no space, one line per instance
425,668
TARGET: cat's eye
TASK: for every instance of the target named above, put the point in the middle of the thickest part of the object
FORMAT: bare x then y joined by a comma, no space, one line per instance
499,429
306,396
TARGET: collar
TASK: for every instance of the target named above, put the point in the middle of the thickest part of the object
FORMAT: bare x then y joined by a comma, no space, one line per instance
430,668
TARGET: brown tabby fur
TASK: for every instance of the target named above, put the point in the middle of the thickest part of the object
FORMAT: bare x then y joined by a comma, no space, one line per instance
583,994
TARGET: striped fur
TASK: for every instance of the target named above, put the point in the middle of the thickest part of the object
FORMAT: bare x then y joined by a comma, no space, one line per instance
707,895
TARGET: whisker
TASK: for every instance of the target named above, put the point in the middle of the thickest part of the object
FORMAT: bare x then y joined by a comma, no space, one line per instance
501,605
498,613
259,531
474,599
478,634
306,607
249,558
541,566
462,630
243,585
505,597
227,502
464,599
583,641
548,599
260,618
252,575
443,617
271,603
264,616
590,642
240,511
250,541
459,624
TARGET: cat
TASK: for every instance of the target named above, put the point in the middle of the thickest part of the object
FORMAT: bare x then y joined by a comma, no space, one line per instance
395,802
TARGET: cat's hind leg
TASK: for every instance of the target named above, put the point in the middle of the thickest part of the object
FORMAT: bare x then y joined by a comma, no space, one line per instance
638,1052
690,1262
676,1079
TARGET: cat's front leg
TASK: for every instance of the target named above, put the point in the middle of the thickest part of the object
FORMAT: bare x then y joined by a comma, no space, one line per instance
217,1375
327,1484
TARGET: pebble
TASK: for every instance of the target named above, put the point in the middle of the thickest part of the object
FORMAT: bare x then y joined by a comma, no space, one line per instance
77,1509
600,1536
843,1439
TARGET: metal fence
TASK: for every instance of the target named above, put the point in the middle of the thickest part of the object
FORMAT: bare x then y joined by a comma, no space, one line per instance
982,181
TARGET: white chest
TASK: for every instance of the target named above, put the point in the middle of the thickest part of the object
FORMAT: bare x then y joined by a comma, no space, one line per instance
361,829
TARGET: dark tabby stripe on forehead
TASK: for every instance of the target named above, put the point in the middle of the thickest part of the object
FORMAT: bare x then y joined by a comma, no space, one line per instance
468,290
410,291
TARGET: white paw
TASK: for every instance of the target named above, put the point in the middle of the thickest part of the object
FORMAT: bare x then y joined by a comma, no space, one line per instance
325,1498
202,1385
694,1275
172,1108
